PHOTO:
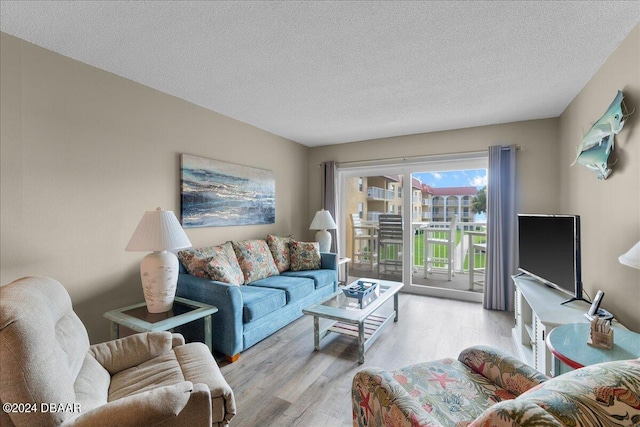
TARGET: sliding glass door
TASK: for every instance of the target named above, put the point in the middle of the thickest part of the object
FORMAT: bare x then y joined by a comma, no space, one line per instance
437,200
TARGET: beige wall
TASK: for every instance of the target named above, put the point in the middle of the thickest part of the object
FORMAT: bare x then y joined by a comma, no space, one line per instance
610,209
84,153
537,164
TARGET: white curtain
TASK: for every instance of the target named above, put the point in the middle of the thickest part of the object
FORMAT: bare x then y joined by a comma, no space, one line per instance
329,198
501,228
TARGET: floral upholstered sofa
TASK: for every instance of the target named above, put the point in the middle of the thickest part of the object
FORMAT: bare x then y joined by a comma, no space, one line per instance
258,286
487,388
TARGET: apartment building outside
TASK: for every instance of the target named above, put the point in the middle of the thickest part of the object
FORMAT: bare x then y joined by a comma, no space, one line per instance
371,196
441,204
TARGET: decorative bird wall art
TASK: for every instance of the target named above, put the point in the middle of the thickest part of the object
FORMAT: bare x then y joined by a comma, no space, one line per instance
597,143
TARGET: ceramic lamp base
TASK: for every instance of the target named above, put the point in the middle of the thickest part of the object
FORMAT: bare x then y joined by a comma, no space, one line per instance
323,237
159,274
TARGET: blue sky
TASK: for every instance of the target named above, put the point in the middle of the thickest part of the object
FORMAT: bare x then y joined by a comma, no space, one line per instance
461,178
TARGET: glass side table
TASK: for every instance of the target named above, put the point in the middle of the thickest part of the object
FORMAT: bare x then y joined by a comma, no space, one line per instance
138,318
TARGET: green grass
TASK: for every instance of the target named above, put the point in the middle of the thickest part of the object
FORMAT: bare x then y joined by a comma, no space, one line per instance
418,245
442,250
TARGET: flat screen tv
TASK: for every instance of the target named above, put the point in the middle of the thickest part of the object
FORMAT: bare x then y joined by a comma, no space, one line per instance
549,250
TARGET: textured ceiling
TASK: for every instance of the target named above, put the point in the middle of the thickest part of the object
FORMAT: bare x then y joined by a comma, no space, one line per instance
333,72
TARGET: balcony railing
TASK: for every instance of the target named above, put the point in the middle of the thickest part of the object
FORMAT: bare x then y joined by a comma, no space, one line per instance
378,193
461,250
462,239
372,216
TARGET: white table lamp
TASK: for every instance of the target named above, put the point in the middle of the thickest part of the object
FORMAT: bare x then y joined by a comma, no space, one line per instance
158,231
631,257
323,222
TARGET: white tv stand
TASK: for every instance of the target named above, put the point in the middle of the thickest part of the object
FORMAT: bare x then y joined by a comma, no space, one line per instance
538,309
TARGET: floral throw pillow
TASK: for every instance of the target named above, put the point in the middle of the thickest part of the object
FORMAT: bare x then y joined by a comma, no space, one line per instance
213,262
194,260
224,266
279,247
304,255
255,260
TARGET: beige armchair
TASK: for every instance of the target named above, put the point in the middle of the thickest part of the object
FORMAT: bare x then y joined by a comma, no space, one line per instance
52,376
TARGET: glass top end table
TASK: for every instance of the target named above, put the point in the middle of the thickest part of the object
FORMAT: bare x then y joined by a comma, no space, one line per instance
138,318
141,312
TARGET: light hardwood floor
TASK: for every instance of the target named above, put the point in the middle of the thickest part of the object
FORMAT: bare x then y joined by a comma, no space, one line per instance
282,381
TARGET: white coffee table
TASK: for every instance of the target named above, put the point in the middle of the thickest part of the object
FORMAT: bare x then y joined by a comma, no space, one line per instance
349,319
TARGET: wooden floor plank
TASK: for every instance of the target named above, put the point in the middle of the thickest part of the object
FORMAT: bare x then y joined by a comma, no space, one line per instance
282,381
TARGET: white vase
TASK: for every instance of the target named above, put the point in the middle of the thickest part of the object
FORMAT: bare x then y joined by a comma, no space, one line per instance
323,237
159,275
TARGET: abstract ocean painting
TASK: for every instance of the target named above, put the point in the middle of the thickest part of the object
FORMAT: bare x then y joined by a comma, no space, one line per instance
219,194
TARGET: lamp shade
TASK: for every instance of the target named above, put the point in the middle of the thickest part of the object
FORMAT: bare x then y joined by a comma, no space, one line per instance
631,257
323,221
158,230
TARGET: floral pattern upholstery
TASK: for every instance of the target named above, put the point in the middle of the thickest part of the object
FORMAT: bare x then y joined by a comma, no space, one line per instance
213,262
606,394
451,392
194,260
279,247
304,255
506,371
512,413
486,388
224,267
255,260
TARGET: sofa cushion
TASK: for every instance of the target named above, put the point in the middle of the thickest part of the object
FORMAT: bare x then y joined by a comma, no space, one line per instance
194,260
304,255
258,301
321,278
449,391
255,260
295,288
160,371
608,392
279,247
224,266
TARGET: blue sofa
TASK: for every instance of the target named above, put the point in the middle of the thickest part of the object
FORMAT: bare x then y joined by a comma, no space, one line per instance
249,313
